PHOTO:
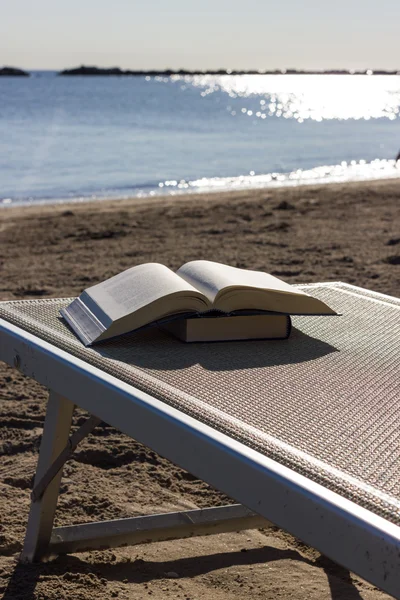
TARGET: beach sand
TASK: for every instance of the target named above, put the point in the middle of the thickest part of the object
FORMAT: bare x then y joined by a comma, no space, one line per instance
346,232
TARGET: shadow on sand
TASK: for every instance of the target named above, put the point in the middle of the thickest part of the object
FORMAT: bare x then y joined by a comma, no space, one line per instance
22,584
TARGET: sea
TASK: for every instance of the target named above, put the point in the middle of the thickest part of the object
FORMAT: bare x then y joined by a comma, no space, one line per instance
69,139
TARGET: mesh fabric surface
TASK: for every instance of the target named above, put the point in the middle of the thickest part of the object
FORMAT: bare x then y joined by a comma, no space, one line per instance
325,402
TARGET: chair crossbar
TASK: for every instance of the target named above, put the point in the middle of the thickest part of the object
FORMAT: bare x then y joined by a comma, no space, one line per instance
154,528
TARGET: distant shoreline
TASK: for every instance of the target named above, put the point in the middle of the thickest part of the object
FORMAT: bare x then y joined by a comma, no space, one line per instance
13,72
93,71
116,71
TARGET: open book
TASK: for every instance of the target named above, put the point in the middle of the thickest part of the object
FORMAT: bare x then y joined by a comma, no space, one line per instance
152,292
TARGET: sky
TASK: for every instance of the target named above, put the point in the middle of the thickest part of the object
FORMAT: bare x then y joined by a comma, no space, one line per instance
200,34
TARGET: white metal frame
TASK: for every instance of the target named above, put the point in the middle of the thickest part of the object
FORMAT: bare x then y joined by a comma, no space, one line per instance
345,532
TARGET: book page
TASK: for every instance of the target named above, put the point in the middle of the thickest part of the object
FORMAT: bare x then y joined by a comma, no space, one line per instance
231,289
133,289
210,278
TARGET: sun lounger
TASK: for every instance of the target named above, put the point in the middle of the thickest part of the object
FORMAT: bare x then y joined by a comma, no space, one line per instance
303,433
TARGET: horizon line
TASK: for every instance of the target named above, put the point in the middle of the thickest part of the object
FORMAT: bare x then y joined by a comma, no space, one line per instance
205,71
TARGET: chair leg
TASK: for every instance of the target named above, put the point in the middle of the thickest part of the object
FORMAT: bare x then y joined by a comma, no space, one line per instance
56,430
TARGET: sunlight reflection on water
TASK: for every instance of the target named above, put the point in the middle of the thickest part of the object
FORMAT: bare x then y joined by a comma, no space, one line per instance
304,97
346,171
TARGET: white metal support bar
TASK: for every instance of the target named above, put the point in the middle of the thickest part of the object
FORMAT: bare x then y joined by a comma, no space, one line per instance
64,455
41,516
154,528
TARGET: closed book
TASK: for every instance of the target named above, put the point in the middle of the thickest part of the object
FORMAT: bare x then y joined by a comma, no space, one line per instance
218,329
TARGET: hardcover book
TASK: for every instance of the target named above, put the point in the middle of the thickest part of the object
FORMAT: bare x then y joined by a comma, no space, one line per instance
266,326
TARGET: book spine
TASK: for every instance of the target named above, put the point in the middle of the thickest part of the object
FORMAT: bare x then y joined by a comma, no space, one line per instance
82,321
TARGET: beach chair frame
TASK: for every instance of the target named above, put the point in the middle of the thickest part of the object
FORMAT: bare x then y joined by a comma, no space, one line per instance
41,539
267,491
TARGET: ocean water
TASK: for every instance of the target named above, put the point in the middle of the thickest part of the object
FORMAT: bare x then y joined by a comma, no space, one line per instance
74,138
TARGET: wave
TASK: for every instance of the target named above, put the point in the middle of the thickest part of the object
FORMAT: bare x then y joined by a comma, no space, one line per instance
325,174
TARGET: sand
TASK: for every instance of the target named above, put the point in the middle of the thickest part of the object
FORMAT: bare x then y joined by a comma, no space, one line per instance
324,233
